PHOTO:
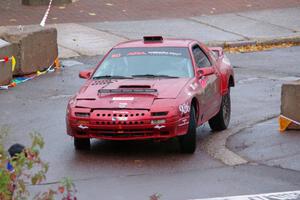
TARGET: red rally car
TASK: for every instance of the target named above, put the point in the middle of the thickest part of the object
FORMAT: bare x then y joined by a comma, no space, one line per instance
153,88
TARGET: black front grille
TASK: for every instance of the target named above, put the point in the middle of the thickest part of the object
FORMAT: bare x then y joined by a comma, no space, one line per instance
113,117
121,122
124,135
116,131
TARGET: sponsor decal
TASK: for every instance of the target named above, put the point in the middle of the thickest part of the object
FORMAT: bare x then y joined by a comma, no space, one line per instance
184,108
122,118
122,105
119,119
117,55
120,112
184,122
136,53
164,53
123,98
151,53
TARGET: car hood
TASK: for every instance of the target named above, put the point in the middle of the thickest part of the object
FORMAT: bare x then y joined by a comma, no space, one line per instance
128,93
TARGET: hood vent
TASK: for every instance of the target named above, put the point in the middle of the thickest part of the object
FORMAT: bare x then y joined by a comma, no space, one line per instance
135,86
86,99
127,90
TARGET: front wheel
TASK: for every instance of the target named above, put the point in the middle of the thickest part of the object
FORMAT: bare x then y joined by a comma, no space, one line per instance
82,143
188,141
221,120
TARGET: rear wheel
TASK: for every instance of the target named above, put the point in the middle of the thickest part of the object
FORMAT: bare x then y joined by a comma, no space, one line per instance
82,143
221,120
188,141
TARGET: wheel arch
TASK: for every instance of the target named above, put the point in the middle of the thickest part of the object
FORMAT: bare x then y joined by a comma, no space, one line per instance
195,104
227,82
231,81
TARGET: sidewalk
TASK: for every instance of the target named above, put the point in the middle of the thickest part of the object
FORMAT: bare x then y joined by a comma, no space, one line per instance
91,39
12,12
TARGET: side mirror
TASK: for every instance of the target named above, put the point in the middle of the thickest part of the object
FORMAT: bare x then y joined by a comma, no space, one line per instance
205,71
85,74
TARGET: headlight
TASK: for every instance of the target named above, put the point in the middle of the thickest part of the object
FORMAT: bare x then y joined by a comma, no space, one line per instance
156,114
81,114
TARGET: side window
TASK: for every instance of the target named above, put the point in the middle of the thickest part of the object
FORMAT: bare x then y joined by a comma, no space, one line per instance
200,58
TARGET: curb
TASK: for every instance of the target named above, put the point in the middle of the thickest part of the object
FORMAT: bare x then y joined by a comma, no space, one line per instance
256,41
216,144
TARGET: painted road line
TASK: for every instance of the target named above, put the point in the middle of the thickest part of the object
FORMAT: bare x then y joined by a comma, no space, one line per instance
291,195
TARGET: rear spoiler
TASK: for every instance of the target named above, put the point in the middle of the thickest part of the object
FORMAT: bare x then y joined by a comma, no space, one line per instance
217,50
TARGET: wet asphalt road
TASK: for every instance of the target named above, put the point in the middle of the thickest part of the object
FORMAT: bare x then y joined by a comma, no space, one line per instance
135,170
264,144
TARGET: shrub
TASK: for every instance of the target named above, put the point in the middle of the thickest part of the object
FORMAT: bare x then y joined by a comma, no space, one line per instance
27,168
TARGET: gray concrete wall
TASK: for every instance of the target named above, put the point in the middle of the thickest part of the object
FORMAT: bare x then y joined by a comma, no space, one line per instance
36,47
290,102
6,49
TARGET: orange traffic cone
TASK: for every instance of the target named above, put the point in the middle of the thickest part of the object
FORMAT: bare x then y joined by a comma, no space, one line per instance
57,63
285,122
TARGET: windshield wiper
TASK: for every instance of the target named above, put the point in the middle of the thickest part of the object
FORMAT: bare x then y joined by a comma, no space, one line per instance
154,75
111,77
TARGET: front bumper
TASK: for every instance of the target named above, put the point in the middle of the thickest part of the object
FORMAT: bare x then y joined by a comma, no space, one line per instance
125,125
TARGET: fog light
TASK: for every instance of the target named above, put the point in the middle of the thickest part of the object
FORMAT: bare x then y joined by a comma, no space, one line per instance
158,121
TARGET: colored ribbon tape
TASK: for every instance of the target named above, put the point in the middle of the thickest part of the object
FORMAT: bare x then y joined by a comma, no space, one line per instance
13,61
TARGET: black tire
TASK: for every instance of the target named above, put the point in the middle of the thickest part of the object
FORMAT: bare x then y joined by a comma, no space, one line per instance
188,142
82,143
221,120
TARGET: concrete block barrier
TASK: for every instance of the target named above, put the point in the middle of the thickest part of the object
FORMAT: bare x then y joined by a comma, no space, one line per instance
6,50
290,102
36,47
44,2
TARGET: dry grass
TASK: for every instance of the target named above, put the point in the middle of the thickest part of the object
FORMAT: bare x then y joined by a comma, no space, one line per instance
258,47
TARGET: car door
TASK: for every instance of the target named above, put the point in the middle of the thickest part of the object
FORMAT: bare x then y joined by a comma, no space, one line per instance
209,95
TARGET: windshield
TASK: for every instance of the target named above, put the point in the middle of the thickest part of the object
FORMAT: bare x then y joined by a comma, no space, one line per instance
165,62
